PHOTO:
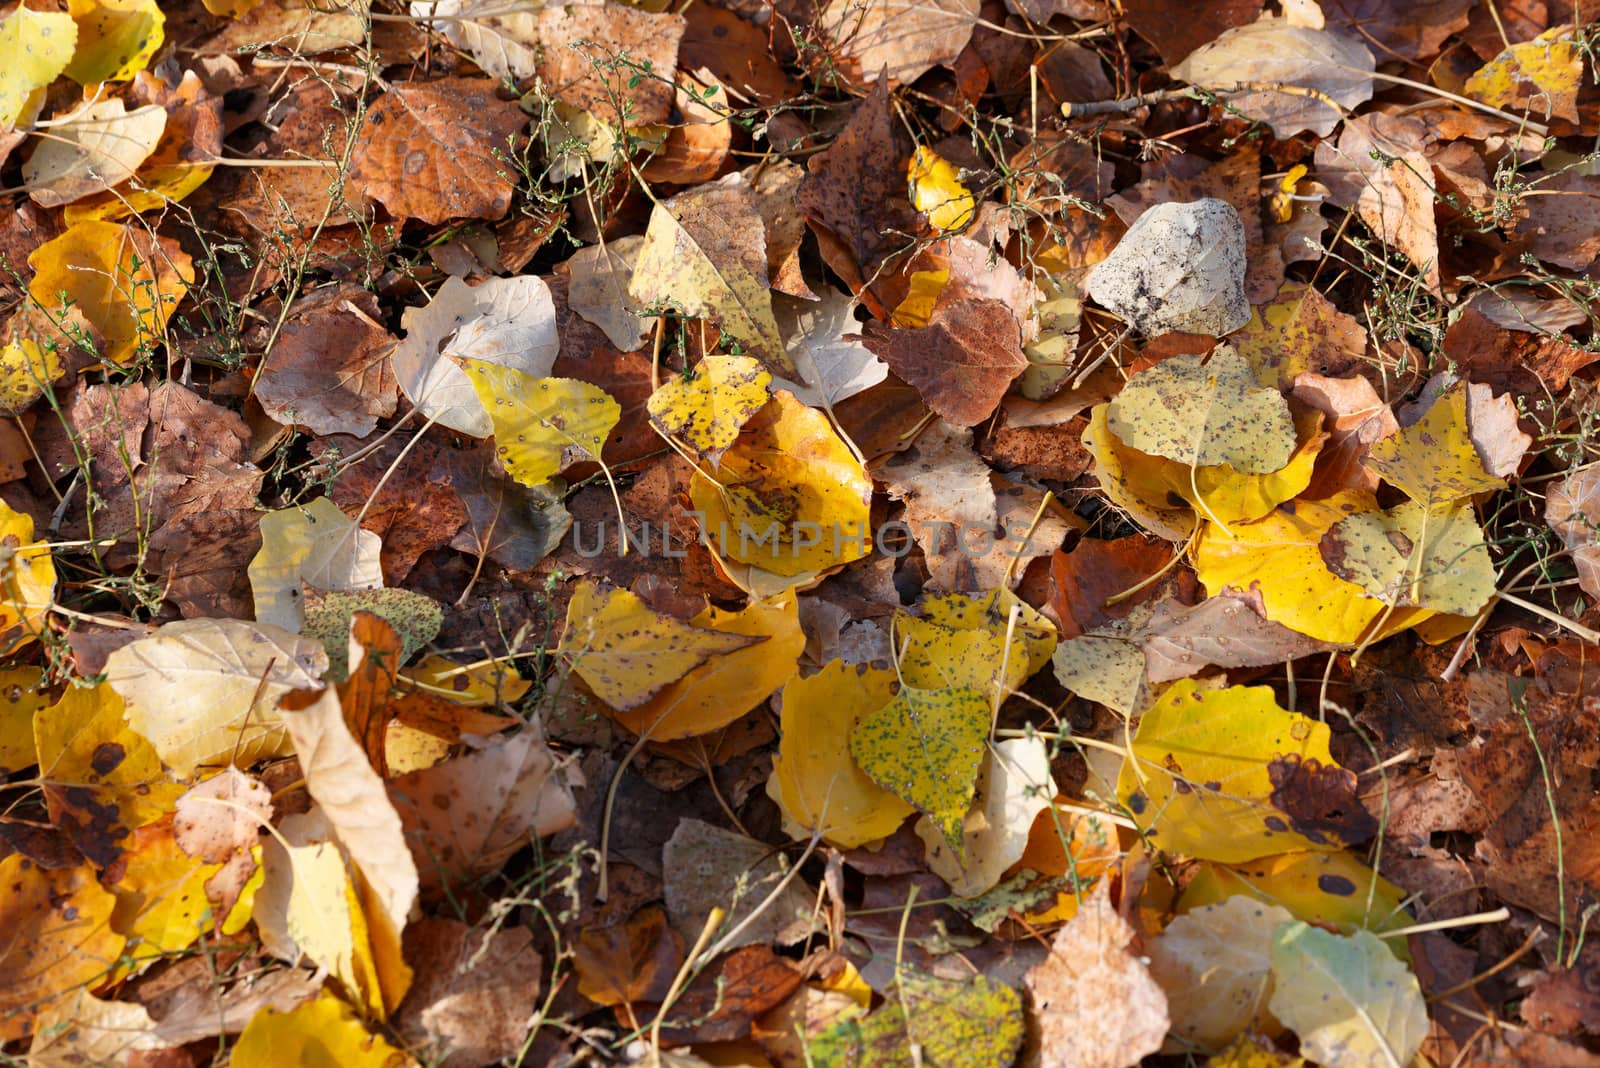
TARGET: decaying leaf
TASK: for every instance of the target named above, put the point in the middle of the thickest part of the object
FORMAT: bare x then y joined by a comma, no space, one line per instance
1013,786
1215,964
27,580
707,408
832,366
1098,1005
962,362
705,867
896,38
1352,1004
1413,555
591,51
963,1023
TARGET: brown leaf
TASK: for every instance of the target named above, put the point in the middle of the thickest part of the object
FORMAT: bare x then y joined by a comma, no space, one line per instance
777,190
855,195
1228,630
329,371
628,963
364,694
476,991
612,61
441,150
946,490
221,816
467,815
735,52
202,560
1562,226
1178,27
1407,29
723,1000
1097,1005
696,148
1513,361
962,362
1356,417
415,511
1379,167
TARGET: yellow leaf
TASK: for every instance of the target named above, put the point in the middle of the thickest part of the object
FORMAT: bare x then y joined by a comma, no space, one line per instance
1415,556
959,640
1434,460
230,8
116,38
626,652
476,686
1108,671
1352,1004
100,777
24,691
706,409
541,424
58,939
93,150
790,496
1541,76
1283,196
1279,557
37,46
161,894
124,283
730,684
1204,413
1332,889
27,580
937,192
1298,331
313,544
925,747
26,369
704,253
1134,481
244,906
1225,774
922,295
814,779
205,691
83,1029
321,1033
1247,1052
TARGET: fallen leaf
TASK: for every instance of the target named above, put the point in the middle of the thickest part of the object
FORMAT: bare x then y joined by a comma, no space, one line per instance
832,367
1299,332
697,146
1492,423
203,690
541,425
503,43
324,1028
1106,670
1013,786
1560,225
704,254
1275,51
1347,998
962,362
1225,630
162,906
1572,508
1356,418
125,282
27,369
61,940
948,495
509,322
705,867
27,580
92,150
705,408
936,191
116,38
1541,77
1177,29
590,54
312,545
1332,890
598,290
476,994
1215,964
101,779
961,1023
329,371
714,694
814,780
1378,167
1097,1005
896,40
1413,30
465,816
1434,460
440,150
926,747
629,962
83,1029
1228,775
41,43
330,614
1179,267
1204,414
789,496
1415,555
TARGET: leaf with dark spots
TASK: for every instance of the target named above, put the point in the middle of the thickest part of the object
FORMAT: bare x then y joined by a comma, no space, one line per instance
1320,800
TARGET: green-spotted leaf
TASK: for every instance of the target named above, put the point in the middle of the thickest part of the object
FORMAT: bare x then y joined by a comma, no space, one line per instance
1205,413
1414,555
541,424
974,1023
925,747
415,618
1347,997
1226,774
